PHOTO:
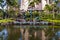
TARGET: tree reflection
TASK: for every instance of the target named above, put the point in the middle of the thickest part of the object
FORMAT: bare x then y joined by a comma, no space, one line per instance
43,32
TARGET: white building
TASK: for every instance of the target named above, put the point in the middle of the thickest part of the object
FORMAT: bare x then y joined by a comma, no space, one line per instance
24,5
44,2
40,6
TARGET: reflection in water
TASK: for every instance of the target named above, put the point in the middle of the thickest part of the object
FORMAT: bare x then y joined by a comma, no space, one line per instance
17,32
4,34
20,37
58,35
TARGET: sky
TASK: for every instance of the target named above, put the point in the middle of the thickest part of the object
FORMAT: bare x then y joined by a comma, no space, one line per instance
5,5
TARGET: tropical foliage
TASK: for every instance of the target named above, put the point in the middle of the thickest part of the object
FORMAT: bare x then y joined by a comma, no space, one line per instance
34,2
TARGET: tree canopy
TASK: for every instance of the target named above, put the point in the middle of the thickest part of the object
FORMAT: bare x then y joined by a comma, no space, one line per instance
12,2
34,1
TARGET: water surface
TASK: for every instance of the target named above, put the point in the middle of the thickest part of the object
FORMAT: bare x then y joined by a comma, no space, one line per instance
29,32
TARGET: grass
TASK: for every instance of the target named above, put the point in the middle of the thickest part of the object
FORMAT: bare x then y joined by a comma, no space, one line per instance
49,20
52,20
55,21
6,20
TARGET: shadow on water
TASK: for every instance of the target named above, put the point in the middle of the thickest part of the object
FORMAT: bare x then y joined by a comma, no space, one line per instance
17,32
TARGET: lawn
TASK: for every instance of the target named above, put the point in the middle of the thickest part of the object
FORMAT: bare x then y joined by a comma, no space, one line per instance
6,20
52,20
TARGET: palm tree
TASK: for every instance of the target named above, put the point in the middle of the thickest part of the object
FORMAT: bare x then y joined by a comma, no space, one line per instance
54,8
11,4
34,3
48,8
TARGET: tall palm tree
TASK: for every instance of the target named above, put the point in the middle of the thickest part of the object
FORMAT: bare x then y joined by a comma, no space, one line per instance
11,4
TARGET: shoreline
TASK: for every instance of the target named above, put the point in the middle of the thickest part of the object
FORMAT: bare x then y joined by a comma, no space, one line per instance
44,22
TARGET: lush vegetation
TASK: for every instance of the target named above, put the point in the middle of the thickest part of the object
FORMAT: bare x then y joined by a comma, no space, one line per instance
50,14
42,16
10,12
6,20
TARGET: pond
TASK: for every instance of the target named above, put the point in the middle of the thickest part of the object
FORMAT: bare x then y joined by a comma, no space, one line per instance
29,32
